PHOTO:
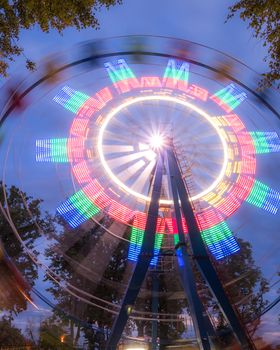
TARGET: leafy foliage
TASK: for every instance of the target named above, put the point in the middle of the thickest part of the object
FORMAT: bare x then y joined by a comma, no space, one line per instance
27,217
71,258
245,287
10,335
264,19
52,335
18,15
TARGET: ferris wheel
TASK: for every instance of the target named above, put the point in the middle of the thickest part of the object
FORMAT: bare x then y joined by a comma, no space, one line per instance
90,147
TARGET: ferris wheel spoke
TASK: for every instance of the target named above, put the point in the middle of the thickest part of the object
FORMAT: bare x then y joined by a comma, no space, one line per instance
117,149
138,127
116,162
143,178
110,136
130,170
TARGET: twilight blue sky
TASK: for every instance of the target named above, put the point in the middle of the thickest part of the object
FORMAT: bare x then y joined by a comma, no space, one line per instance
201,21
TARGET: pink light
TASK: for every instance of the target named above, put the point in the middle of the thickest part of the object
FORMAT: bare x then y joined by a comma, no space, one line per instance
198,92
220,103
79,127
120,212
126,85
96,194
81,172
160,225
229,205
75,149
95,103
208,218
139,220
150,82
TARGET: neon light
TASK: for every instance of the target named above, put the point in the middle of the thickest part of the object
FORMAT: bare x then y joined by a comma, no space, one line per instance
97,195
176,239
82,172
238,144
264,197
136,241
75,149
176,75
208,219
265,142
172,227
158,243
197,92
122,76
229,97
79,127
164,98
70,99
150,82
120,212
77,209
229,205
220,241
95,103
52,150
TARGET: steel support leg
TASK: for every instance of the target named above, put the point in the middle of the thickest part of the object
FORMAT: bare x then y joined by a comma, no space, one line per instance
202,259
143,262
187,276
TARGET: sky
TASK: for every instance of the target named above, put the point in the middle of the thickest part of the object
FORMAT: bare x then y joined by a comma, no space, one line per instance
201,21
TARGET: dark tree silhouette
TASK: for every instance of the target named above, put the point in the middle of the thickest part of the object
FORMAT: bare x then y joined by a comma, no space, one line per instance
18,271
18,15
263,17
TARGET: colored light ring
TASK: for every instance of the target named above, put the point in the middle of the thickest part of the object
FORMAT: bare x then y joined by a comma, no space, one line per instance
230,194
129,102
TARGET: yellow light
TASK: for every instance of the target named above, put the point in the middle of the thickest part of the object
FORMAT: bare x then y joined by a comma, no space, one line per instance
62,338
132,101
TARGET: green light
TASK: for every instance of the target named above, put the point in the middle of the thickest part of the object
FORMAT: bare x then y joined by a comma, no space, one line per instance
173,72
260,142
137,236
120,71
227,97
158,240
76,101
258,194
121,74
82,203
176,239
59,150
216,233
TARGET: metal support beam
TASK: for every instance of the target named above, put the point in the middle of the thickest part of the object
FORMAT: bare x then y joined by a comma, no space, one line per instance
143,262
202,259
186,273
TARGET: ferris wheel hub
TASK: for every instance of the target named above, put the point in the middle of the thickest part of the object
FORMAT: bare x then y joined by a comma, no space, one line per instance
157,141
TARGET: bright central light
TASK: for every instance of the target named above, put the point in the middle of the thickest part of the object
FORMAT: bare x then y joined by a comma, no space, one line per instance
156,141
130,102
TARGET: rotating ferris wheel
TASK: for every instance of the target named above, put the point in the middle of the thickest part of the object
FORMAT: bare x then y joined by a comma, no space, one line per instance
145,143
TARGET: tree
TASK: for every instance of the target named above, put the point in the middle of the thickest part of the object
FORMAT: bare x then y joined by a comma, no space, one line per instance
245,287
53,335
264,19
10,335
27,217
67,259
17,15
